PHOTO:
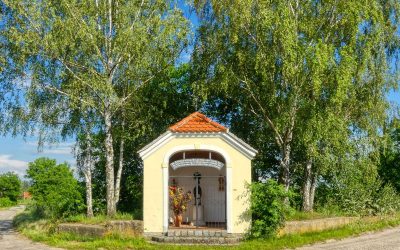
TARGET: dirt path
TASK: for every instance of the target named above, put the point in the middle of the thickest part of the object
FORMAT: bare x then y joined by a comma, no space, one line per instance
388,239
9,239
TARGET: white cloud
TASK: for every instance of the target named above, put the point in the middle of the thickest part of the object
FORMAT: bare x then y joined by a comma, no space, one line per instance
8,164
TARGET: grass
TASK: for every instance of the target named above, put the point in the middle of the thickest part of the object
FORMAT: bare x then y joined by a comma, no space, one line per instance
40,230
24,202
19,202
98,219
300,215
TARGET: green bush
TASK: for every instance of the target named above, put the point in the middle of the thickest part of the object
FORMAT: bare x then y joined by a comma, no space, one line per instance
386,200
268,208
358,190
10,186
6,202
55,191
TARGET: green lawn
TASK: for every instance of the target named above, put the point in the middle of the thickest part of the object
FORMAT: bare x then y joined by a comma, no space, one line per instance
299,215
98,219
43,231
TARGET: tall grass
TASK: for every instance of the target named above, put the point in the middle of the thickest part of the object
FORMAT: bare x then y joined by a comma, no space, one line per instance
98,219
300,215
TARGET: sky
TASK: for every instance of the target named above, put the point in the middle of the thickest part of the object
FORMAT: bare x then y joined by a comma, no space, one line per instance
394,96
17,152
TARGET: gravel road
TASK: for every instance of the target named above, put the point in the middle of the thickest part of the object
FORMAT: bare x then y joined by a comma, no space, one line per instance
9,239
388,239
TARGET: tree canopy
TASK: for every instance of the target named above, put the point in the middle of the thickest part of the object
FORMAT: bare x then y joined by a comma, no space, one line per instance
311,74
91,56
10,186
54,189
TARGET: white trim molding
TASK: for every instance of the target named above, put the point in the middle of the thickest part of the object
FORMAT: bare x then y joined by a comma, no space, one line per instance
197,162
204,147
228,137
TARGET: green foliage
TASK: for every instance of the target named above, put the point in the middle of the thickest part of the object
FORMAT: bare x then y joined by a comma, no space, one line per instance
358,190
54,189
10,186
298,79
88,62
386,200
88,57
6,202
268,208
389,167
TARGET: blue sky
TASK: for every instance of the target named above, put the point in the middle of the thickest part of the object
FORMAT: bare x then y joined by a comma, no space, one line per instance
394,96
17,152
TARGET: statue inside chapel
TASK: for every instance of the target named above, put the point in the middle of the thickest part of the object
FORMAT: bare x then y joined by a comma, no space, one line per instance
197,192
198,208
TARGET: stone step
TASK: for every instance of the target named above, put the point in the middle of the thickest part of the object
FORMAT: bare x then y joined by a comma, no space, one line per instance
197,233
197,240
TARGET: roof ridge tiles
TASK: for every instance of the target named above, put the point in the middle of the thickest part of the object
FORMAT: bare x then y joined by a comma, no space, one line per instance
197,122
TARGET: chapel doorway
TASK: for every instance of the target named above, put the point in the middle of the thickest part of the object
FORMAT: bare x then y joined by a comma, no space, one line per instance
203,174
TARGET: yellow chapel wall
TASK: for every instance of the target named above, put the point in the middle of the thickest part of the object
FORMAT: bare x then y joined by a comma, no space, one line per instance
153,183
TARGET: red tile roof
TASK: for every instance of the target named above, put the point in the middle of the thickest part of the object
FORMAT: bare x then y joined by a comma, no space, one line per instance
197,122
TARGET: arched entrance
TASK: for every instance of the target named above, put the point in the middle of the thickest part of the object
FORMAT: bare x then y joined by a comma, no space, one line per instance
203,173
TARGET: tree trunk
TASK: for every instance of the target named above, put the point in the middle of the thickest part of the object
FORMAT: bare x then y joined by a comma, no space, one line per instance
310,184
312,190
284,165
108,143
306,207
89,199
120,166
87,171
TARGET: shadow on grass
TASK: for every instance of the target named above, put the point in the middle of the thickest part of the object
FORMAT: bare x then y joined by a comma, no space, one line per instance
29,216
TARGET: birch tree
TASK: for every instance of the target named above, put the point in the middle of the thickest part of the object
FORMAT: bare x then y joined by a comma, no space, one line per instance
85,155
285,59
96,54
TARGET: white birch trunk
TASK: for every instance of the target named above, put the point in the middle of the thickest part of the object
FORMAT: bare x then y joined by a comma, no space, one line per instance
310,184
108,144
120,166
312,190
307,187
285,167
89,198
88,174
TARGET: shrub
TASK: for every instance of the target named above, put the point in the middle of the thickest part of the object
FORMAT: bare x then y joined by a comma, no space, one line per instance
268,208
386,200
6,202
55,191
10,186
358,190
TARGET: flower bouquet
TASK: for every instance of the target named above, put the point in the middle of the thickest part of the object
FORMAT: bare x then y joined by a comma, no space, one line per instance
179,202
